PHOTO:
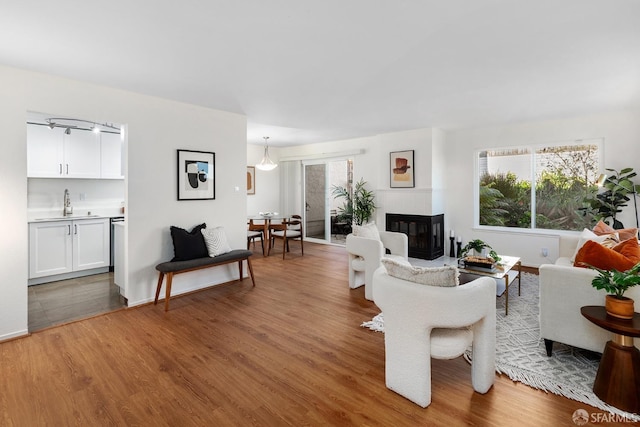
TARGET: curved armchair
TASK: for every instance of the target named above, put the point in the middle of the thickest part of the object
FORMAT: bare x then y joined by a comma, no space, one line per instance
365,255
422,321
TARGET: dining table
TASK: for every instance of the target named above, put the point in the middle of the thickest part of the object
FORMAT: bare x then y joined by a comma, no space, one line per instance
267,222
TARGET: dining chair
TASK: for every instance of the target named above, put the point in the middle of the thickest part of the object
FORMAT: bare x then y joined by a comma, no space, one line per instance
255,231
289,229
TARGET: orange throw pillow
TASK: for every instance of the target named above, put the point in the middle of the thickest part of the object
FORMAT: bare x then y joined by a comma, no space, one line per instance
630,249
625,233
596,255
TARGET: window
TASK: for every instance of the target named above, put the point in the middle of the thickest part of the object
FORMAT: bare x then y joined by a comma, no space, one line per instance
540,187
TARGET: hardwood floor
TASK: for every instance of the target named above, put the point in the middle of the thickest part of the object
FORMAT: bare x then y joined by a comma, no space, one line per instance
64,301
289,352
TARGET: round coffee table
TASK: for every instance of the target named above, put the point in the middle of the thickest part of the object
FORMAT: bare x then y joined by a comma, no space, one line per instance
618,379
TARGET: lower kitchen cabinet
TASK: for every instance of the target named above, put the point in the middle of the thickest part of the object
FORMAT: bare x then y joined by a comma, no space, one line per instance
58,247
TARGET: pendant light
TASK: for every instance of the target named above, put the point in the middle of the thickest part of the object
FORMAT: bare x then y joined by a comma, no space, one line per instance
266,164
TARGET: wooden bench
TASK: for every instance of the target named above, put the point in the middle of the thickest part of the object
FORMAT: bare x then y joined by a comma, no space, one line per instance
171,268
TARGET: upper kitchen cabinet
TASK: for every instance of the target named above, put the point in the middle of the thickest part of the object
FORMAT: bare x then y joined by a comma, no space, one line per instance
53,153
45,158
111,156
82,154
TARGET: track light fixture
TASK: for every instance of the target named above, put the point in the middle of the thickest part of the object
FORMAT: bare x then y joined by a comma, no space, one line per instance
67,131
266,164
62,122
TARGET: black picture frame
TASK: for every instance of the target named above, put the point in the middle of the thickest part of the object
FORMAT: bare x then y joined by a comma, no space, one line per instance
196,175
401,169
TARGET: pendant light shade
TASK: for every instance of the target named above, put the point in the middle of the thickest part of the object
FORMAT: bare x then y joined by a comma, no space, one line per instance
266,164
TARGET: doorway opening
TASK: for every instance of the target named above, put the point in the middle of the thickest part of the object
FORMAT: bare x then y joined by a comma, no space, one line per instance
321,209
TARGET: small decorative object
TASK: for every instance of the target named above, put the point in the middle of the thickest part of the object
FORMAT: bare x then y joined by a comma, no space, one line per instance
459,247
251,180
196,175
402,169
480,263
268,214
452,250
616,284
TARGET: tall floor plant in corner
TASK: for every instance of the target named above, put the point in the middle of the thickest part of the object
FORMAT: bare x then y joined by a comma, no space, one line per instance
359,205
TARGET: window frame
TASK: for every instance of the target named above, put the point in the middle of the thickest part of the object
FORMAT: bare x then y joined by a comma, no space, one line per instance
533,148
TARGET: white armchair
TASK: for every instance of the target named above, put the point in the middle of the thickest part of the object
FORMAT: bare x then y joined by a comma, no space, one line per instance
365,255
423,321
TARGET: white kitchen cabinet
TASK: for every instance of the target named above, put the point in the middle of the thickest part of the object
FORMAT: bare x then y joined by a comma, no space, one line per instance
57,247
81,154
45,152
50,248
53,154
111,156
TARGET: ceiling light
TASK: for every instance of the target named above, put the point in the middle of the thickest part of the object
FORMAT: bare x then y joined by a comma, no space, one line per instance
51,125
266,164
67,131
95,129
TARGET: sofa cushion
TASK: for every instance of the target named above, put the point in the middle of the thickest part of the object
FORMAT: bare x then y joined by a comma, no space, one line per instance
433,276
602,228
630,249
369,231
596,255
188,244
216,241
588,235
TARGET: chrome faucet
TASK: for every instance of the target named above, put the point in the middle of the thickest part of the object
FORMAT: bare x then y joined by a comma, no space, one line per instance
68,209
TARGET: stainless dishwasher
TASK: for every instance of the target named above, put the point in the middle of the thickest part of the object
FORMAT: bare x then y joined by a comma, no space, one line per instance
112,240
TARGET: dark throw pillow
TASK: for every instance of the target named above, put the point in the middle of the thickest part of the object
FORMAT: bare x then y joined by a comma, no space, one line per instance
188,244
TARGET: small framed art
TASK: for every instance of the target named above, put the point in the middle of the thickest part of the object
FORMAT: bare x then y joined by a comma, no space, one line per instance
251,180
401,169
196,175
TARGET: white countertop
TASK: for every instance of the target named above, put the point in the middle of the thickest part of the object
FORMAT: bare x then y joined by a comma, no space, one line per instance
48,215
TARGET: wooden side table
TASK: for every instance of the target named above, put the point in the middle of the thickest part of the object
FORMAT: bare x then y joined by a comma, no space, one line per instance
618,379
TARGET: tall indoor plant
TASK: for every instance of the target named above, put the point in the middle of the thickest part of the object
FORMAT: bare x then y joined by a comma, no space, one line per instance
608,203
359,205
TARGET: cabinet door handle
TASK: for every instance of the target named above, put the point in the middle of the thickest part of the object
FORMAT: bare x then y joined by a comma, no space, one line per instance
75,228
67,168
60,168
69,229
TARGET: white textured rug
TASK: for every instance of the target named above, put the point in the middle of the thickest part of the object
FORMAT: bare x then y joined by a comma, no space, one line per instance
521,355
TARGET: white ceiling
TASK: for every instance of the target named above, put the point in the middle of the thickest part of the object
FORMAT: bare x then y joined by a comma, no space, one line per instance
307,71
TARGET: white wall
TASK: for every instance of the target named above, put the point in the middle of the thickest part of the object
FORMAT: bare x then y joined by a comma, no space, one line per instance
156,128
267,197
621,133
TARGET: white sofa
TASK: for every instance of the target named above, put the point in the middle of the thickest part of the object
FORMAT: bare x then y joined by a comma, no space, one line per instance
423,322
563,290
365,255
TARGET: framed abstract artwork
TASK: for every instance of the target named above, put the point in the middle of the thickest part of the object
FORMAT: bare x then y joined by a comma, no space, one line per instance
196,175
251,180
401,169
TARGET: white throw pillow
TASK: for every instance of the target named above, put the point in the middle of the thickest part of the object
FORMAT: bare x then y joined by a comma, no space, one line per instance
446,276
369,231
587,235
216,241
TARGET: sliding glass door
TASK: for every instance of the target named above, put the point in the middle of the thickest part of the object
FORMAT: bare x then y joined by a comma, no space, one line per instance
320,206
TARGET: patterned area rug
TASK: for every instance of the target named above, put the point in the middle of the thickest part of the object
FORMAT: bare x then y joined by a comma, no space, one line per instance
520,352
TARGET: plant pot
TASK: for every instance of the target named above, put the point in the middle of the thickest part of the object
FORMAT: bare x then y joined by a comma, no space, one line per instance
620,307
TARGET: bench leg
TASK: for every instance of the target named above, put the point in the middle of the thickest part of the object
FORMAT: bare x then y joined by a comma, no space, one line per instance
240,269
160,278
168,291
253,280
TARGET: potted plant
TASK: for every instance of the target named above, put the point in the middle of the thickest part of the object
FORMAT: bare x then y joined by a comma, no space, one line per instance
616,284
479,247
608,203
358,206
